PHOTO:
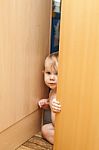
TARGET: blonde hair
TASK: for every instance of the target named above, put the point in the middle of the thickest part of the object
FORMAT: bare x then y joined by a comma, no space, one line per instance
54,60
55,54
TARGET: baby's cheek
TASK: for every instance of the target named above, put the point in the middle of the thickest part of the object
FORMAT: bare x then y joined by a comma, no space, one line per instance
56,78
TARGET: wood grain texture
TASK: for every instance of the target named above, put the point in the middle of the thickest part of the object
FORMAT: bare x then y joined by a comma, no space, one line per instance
17,134
77,126
24,44
36,143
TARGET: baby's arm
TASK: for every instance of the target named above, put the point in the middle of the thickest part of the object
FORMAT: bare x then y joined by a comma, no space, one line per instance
55,106
43,103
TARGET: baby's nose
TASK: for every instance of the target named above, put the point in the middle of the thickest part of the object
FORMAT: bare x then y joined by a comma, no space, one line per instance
52,77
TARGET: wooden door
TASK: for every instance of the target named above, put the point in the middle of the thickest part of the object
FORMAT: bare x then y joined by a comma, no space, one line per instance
77,126
24,44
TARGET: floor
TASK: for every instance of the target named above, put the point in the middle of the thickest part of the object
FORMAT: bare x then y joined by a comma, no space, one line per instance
36,143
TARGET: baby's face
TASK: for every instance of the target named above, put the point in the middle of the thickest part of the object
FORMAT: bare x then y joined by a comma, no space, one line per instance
50,75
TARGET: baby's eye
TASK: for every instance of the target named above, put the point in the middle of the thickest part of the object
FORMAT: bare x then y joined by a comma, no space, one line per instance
56,73
48,72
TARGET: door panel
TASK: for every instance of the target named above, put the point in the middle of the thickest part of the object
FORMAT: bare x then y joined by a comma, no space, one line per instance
77,126
24,44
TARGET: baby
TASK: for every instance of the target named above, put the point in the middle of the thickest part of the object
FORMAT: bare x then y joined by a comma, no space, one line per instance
50,78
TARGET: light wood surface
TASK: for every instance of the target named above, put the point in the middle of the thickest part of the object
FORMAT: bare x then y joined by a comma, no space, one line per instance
24,44
18,133
77,126
36,143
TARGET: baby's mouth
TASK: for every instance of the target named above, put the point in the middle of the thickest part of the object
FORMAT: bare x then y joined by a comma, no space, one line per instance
52,83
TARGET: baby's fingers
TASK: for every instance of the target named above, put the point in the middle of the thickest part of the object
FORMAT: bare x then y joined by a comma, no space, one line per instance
56,103
56,106
55,109
40,104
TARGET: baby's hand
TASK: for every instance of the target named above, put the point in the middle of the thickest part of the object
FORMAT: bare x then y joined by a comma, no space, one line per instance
55,106
43,103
